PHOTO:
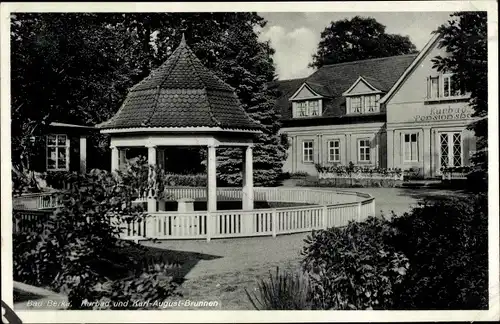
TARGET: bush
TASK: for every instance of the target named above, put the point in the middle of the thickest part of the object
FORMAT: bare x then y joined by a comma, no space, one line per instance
23,182
283,291
447,244
68,255
145,291
351,168
186,180
413,174
354,267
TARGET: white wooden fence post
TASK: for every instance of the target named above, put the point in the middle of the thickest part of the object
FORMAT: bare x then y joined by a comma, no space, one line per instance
274,220
359,211
325,217
209,226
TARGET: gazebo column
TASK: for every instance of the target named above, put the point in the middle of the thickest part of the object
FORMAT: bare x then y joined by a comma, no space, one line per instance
211,179
114,158
160,158
248,179
151,162
122,158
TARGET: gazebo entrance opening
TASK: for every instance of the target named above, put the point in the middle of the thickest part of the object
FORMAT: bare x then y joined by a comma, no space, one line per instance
156,157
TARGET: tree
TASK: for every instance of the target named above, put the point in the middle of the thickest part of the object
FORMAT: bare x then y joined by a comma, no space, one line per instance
228,45
358,39
78,68
465,39
65,67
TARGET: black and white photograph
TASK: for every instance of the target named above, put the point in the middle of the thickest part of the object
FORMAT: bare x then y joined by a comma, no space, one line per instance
309,157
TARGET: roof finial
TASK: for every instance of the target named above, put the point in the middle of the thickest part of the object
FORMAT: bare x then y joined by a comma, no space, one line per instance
183,40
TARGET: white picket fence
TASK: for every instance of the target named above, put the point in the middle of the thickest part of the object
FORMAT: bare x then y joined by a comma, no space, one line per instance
37,201
327,210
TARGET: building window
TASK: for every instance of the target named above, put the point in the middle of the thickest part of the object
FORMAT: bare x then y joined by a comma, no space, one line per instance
307,151
444,86
364,104
356,106
411,147
334,151
314,108
450,149
308,108
433,90
57,153
364,150
370,103
302,108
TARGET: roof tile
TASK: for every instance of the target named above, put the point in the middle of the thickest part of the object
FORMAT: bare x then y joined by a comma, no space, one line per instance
181,93
333,80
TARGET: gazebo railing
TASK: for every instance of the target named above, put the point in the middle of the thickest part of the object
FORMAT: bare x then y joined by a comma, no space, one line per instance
37,201
328,208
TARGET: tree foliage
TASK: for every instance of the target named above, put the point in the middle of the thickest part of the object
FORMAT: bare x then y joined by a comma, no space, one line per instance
78,67
77,251
67,68
358,38
465,39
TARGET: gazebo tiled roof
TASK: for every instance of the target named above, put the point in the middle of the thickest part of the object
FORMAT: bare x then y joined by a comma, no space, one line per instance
181,93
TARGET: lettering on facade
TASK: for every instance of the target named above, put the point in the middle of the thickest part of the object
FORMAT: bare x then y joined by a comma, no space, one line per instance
437,114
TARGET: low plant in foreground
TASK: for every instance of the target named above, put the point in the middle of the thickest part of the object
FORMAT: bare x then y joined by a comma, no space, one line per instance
354,267
282,291
447,245
72,254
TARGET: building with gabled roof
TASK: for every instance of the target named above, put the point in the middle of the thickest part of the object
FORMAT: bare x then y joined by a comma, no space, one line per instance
390,112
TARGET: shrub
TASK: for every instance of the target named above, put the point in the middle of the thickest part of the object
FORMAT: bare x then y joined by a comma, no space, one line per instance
299,175
186,180
352,169
283,291
60,179
354,267
23,182
36,260
413,174
447,244
68,255
145,291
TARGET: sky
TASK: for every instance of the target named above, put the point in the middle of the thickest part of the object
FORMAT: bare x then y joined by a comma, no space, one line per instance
295,35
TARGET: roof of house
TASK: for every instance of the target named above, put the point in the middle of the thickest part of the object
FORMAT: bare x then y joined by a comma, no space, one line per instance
181,93
332,80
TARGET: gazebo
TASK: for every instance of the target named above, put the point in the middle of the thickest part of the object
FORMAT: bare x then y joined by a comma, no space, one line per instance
183,103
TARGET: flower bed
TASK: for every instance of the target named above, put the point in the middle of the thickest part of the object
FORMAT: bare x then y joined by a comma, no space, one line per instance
352,183
352,171
455,173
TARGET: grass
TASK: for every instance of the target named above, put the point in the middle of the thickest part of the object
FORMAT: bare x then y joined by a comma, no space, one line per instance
228,288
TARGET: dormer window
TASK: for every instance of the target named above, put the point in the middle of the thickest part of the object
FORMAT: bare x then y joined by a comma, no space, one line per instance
306,102
302,109
314,107
363,97
307,108
363,104
356,106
